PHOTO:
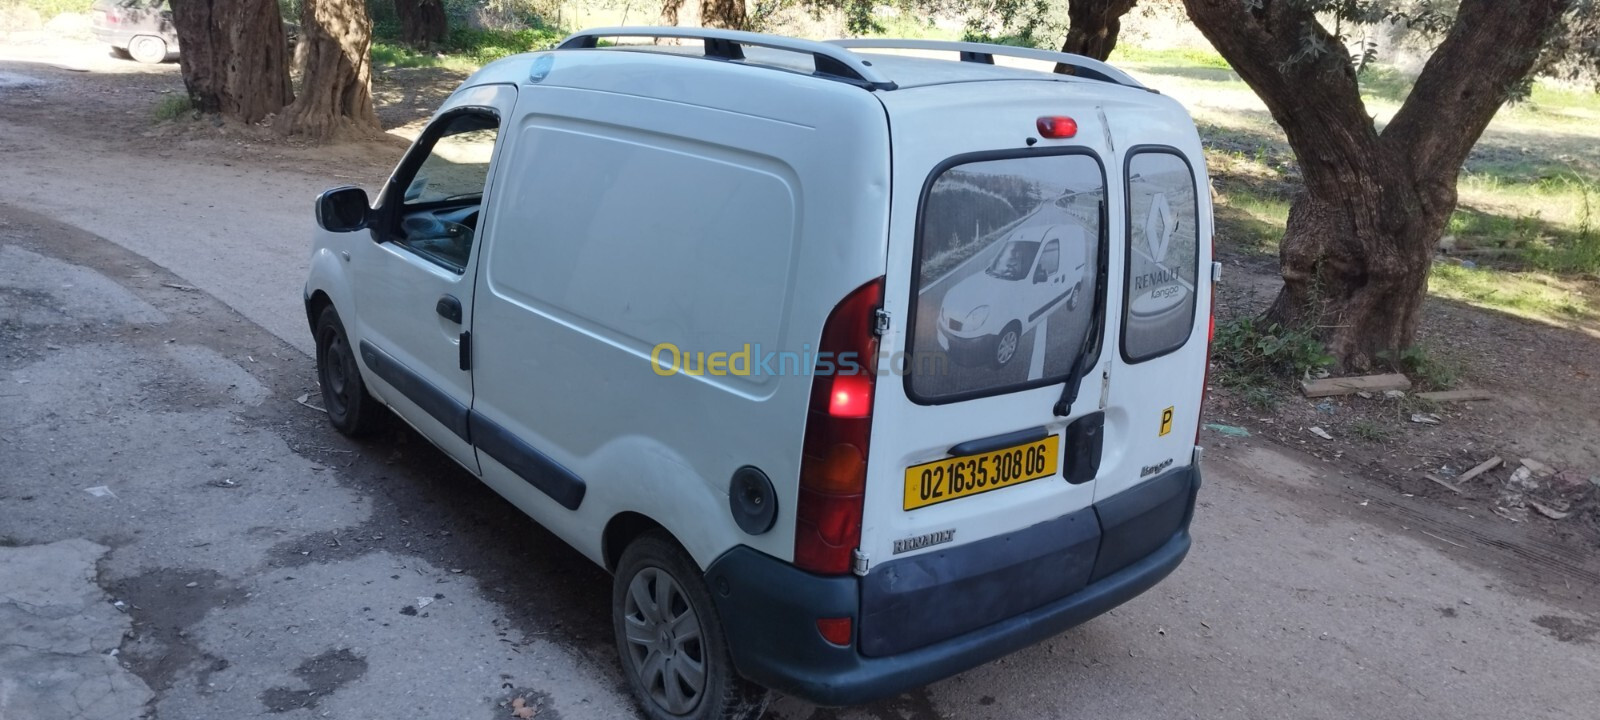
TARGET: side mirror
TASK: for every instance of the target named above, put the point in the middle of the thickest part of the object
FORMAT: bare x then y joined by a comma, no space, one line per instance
343,209
1040,275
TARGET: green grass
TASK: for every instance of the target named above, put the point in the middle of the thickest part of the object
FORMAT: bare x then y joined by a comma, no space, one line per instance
1369,431
465,49
48,9
1250,218
1548,223
1177,57
1533,295
176,106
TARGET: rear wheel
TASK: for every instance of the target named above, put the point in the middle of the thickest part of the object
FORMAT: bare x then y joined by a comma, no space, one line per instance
148,49
1077,291
351,410
1005,346
670,638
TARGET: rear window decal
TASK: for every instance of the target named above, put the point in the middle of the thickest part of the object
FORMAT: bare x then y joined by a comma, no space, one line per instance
1008,258
1158,310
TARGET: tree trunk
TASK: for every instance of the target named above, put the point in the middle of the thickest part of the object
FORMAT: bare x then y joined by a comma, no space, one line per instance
669,12
1093,28
727,14
1361,236
422,22
234,58
336,87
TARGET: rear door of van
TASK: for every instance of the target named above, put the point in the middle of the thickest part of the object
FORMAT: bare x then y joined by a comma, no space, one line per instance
995,291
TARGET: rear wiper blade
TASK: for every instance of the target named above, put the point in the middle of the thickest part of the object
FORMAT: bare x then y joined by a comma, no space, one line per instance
1069,393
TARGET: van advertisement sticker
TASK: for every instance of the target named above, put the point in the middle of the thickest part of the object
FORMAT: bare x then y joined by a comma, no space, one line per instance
1159,308
1007,266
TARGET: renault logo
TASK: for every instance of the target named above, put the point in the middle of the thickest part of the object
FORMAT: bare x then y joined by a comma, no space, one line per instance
1159,228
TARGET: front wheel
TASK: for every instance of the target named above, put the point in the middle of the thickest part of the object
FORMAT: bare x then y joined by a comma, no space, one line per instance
670,638
1005,346
351,410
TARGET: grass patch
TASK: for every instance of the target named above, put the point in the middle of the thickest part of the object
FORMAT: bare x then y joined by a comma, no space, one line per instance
1532,295
1249,218
1550,223
1431,371
466,49
176,106
48,9
1369,431
1175,57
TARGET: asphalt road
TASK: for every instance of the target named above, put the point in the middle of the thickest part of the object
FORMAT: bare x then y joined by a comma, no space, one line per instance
153,454
1063,329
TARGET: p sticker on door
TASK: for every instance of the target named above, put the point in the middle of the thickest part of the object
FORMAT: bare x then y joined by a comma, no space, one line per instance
1166,421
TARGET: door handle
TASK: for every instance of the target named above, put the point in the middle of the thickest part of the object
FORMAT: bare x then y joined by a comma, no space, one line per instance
449,308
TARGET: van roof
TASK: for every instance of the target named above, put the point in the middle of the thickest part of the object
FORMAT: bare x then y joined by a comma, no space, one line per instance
881,67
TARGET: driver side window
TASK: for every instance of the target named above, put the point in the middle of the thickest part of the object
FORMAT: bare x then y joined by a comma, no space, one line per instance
438,213
1049,260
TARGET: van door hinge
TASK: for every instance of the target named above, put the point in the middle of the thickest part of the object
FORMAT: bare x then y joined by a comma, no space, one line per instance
861,562
466,351
880,324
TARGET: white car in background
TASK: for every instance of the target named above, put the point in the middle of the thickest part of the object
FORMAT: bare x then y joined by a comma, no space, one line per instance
983,318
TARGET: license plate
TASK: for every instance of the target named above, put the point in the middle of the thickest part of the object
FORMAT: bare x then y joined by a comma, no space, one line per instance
958,477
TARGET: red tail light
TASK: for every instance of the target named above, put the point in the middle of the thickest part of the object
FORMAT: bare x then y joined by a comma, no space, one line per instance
833,469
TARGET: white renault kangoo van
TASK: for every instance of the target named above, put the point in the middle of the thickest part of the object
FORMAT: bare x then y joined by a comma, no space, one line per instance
857,364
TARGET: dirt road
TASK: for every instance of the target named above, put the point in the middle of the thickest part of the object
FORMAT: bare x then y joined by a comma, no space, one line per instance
151,345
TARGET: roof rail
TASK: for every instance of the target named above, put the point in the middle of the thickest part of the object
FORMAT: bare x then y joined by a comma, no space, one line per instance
832,61
984,53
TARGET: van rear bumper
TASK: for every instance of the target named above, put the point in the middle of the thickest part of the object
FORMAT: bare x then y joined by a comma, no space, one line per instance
769,610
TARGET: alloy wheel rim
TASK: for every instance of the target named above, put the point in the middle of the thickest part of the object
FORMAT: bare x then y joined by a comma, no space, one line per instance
1008,346
664,641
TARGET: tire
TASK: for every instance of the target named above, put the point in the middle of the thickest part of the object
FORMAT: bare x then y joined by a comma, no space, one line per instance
1077,291
148,49
1005,344
350,408
659,654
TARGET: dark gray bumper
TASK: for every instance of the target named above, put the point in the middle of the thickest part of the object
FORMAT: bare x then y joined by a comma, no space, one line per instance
769,608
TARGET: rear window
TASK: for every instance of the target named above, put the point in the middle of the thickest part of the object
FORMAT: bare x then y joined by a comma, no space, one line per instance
1163,257
1005,280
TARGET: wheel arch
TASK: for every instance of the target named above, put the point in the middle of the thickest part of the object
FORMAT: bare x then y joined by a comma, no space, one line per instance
623,529
315,303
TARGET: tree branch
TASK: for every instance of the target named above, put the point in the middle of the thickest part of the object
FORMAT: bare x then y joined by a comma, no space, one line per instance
1304,76
1489,51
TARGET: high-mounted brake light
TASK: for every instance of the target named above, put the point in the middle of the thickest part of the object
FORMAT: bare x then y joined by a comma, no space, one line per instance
833,468
1057,126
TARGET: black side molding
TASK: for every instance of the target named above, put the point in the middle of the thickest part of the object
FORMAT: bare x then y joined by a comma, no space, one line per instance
433,401
996,442
549,476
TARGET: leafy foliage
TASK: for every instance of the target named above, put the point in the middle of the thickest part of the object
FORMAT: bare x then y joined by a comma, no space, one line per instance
1248,352
1421,365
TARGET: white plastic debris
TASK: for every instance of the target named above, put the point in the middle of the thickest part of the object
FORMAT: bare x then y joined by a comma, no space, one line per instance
100,491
